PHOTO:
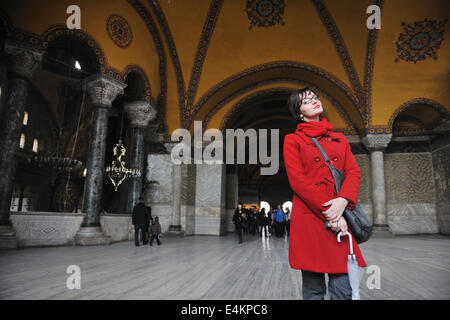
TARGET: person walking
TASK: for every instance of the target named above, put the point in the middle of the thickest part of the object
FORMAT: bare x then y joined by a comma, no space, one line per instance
266,222
279,218
155,231
238,219
287,223
259,220
313,248
138,219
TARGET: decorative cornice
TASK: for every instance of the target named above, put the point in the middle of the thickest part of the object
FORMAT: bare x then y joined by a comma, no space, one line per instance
202,49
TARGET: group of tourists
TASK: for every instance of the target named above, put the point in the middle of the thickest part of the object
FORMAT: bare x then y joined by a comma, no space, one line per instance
252,221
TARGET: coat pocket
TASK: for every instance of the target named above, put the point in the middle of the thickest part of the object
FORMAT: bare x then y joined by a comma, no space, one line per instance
326,186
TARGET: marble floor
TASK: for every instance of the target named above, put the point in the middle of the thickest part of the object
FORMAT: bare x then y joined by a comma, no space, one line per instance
210,267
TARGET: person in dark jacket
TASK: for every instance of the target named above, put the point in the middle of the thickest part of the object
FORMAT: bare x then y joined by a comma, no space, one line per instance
267,222
288,220
138,218
259,220
238,219
155,231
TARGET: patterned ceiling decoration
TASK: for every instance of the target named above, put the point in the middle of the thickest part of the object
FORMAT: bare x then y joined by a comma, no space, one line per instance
162,97
119,30
341,49
265,13
420,40
208,28
159,14
368,72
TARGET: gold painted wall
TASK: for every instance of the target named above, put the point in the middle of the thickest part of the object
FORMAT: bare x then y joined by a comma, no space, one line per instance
36,16
234,48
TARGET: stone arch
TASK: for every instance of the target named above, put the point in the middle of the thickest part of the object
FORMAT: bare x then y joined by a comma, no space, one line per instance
423,113
275,71
144,87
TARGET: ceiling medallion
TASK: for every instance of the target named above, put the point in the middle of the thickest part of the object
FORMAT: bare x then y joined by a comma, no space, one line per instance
420,40
265,13
119,30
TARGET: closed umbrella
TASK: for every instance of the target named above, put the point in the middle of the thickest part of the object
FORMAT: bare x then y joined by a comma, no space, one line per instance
354,272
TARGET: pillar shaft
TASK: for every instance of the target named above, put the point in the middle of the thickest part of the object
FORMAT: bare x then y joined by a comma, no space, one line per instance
140,113
23,62
378,189
103,90
376,144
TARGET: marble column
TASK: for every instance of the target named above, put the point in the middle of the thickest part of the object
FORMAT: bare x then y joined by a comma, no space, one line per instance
376,144
232,193
23,62
140,113
102,90
210,197
175,225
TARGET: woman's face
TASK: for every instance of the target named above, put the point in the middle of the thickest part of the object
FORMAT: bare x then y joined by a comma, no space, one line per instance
311,106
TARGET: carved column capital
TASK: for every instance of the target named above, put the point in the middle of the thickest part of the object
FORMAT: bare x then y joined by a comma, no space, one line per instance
140,113
24,59
103,89
376,142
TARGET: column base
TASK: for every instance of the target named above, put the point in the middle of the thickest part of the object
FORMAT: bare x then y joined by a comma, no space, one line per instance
175,228
91,236
7,238
381,230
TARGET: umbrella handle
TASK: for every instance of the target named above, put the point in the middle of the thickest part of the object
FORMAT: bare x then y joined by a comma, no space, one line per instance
351,240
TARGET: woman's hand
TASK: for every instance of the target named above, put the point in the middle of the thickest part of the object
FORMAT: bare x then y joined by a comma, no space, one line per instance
342,226
336,210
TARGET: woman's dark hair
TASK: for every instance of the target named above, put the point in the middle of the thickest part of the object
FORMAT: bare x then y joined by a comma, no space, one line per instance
295,100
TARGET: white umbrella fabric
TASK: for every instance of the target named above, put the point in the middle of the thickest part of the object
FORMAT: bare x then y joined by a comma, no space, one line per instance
354,272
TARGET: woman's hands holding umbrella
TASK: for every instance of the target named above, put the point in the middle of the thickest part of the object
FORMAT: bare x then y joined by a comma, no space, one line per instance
335,212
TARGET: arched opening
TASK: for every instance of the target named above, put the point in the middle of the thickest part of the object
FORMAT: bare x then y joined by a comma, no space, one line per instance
57,129
70,56
300,74
266,110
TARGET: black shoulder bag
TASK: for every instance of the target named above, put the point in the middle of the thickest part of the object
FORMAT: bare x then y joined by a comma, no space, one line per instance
356,219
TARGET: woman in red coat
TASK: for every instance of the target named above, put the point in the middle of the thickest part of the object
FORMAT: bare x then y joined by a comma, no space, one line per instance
313,248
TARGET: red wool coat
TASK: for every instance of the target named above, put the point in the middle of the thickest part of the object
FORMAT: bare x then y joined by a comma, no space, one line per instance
311,247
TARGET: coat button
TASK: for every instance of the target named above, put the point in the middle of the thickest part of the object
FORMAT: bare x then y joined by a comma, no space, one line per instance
335,159
317,159
328,139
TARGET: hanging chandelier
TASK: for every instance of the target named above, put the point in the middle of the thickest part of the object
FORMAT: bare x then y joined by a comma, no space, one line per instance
117,172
